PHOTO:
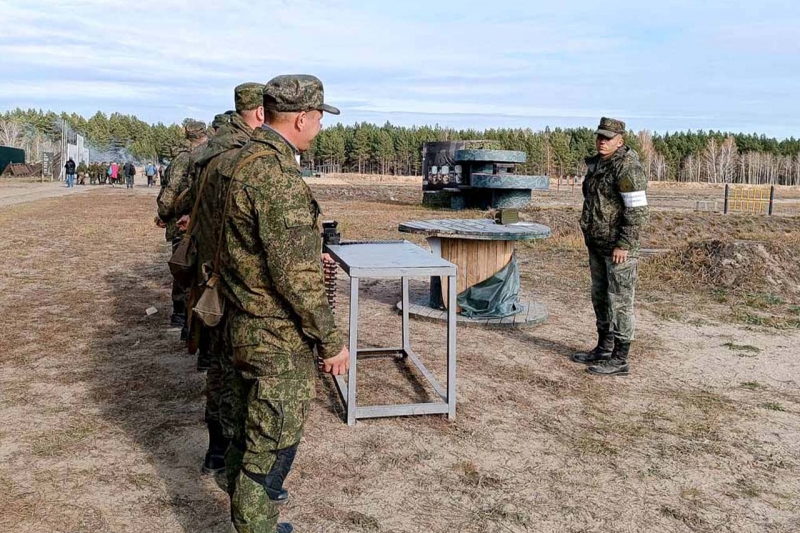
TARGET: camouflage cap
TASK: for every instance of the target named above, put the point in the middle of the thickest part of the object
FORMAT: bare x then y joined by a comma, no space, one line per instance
195,130
296,92
248,96
221,119
610,127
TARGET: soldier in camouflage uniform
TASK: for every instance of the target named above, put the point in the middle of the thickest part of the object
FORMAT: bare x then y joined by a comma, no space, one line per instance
214,166
614,213
272,274
220,120
173,203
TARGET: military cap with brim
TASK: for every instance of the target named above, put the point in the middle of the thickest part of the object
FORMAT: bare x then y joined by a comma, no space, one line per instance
296,92
248,96
221,119
610,127
195,130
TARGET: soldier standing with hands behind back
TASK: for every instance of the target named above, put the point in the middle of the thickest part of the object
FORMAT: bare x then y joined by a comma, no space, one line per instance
272,274
614,212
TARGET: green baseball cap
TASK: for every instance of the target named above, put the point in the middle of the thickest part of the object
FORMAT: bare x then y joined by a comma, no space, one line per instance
610,127
296,92
248,96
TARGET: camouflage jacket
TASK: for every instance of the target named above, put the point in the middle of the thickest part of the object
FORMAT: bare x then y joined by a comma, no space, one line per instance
271,266
173,200
214,166
614,202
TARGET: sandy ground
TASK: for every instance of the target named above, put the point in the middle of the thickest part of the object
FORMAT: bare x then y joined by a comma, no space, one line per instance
12,192
101,411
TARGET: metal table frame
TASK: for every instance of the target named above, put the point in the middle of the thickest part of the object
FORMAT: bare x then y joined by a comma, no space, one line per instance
405,262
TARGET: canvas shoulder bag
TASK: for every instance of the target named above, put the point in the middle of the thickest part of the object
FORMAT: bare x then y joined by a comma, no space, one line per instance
183,263
210,308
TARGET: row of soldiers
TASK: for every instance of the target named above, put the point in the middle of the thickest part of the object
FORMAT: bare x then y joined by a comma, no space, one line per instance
239,196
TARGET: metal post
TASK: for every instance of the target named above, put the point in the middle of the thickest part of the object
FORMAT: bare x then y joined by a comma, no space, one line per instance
451,348
725,206
771,199
351,377
406,332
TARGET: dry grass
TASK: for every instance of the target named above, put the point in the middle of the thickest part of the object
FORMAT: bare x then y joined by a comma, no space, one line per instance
106,410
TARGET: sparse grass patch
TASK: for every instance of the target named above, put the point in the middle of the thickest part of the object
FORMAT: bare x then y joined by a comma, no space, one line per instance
770,321
720,295
593,445
761,300
471,476
59,442
742,348
690,519
753,385
669,312
773,406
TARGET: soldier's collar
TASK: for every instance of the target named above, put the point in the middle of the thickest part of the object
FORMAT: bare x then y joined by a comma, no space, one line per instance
270,130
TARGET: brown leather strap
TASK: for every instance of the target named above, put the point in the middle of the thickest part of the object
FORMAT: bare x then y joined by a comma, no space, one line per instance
193,215
239,167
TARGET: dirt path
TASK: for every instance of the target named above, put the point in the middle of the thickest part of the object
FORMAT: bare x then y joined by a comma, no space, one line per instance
101,411
13,193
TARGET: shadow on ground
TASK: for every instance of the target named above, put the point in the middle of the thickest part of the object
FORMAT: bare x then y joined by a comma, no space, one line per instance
146,384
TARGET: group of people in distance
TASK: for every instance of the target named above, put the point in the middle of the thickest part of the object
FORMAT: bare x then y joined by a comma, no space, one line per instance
102,173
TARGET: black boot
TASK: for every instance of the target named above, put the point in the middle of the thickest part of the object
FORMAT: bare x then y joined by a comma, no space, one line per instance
178,318
600,353
273,482
617,365
214,462
284,527
203,360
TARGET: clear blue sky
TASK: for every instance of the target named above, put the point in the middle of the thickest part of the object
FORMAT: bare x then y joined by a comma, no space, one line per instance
663,66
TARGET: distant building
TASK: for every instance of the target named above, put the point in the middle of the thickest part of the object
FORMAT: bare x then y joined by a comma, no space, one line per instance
10,155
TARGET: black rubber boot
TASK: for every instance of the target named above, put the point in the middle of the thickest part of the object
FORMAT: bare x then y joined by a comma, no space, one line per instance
203,361
617,365
214,462
273,482
601,352
178,318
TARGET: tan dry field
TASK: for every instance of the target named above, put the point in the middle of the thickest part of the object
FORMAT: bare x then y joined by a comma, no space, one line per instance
101,411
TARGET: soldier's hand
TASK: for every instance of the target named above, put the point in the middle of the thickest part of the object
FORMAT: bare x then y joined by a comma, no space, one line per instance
326,258
183,223
338,365
619,256
160,223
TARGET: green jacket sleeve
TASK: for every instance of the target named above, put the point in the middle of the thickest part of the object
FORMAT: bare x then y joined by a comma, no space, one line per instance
170,203
633,189
288,231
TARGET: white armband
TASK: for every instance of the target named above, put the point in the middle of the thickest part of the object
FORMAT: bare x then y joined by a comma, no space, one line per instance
634,199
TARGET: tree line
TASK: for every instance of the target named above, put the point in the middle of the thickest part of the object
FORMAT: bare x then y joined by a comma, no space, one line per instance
700,156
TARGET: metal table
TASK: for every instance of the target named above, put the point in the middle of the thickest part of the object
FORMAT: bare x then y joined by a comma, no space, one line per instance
404,260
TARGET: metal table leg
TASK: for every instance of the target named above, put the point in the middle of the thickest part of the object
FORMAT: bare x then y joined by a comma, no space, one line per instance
351,377
451,348
406,332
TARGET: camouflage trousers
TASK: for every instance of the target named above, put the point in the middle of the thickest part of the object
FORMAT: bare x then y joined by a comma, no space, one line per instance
220,405
613,290
271,398
180,291
268,433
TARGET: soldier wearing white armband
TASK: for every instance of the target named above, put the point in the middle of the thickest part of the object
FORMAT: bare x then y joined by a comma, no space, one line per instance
614,213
